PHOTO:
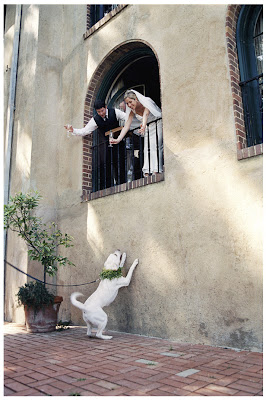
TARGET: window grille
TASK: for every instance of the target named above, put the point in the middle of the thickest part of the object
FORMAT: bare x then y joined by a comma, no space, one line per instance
123,162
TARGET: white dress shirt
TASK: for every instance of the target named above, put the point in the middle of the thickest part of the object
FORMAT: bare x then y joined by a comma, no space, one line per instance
91,125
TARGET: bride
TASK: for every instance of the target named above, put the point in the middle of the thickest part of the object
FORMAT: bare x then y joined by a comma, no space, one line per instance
144,110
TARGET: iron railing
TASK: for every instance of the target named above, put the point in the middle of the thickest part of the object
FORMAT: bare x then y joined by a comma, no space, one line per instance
123,162
252,95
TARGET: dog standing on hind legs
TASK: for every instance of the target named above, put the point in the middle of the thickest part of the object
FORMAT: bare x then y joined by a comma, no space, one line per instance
111,281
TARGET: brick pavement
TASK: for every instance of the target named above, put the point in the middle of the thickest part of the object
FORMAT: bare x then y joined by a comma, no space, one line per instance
70,363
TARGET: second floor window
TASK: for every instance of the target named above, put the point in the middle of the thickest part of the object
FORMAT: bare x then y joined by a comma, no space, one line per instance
98,11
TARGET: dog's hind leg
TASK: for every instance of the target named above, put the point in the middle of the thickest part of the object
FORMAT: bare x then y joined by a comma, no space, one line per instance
102,325
89,333
88,329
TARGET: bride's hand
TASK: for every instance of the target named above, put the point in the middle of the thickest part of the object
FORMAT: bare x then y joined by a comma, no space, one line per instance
114,141
142,130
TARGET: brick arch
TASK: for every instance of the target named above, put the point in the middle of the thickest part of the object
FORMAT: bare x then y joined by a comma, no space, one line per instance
231,24
115,57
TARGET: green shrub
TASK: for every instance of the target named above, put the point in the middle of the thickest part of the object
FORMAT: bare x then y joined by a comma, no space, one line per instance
35,295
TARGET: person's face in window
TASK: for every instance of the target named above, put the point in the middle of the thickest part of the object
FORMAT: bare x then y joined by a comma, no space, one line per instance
101,112
131,103
122,106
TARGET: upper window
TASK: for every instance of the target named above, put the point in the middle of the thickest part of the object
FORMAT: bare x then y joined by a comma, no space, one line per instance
249,38
98,11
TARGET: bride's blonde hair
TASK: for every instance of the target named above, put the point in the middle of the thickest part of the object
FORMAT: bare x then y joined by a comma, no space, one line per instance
130,95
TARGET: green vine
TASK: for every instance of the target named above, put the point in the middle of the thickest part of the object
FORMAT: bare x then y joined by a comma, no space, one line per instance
111,274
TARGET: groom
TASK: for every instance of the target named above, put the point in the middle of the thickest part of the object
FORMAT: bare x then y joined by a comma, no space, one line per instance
104,120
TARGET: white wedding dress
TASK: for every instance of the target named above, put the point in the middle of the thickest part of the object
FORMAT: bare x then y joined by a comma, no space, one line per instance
155,145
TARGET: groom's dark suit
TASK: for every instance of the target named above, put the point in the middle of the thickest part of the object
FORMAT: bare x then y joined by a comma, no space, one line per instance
110,160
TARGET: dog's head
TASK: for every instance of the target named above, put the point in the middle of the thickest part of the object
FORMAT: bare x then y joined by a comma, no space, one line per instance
113,261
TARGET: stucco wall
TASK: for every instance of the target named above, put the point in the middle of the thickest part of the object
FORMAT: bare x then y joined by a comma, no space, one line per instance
198,234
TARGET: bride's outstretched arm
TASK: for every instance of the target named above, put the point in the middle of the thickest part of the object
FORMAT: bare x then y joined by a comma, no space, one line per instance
144,121
124,130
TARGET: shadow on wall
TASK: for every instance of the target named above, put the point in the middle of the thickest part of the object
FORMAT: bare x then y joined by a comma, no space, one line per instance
21,150
38,88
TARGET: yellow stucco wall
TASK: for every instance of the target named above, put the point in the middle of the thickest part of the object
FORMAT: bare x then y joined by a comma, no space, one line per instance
198,234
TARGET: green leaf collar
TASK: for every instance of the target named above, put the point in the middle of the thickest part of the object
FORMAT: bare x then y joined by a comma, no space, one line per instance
111,274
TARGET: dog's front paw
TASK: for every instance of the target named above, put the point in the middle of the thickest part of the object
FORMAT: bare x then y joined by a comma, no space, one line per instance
135,263
124,256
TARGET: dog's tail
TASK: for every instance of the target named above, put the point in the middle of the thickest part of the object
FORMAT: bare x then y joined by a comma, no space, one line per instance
75,302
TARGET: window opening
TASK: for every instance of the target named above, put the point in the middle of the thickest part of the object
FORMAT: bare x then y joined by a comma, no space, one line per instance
98,11
258,44
124,162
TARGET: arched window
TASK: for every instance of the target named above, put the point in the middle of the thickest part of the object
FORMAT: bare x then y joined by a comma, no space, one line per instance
131,65
249,38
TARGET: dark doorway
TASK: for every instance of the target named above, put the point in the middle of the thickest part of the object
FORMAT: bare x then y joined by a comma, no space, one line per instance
142,74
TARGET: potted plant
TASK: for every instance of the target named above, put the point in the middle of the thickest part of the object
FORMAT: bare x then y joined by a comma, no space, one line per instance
41,307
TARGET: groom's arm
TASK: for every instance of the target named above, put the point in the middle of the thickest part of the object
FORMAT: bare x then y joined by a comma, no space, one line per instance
90,127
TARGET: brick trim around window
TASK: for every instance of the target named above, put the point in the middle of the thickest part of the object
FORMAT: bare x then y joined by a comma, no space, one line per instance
93,88
230,31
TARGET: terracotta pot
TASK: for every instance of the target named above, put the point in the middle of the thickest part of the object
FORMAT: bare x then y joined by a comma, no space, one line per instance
45,319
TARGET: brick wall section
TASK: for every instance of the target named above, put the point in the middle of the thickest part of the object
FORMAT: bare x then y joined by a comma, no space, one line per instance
93,88
230,31
123,187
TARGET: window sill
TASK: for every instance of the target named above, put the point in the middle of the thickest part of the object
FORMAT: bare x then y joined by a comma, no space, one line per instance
124,187
104,20
250,152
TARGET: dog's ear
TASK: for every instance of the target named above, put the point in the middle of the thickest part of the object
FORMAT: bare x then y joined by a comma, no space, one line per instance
111,262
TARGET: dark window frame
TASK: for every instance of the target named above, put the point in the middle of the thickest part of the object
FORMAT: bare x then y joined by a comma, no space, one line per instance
250,80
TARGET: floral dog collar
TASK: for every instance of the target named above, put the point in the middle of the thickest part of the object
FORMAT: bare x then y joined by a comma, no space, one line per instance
111,274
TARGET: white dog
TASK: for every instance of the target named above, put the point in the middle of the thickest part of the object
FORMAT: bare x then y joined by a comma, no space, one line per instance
104,295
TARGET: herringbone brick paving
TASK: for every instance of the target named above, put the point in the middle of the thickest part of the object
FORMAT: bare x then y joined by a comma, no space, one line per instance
69,363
